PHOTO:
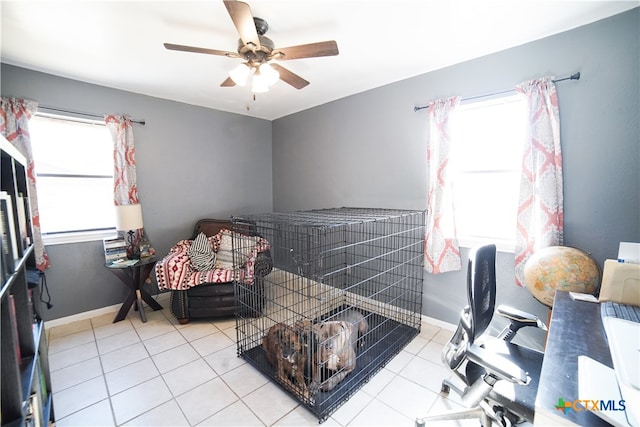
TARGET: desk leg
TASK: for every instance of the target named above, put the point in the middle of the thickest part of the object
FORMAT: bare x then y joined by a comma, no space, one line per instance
149,300
134,277
144,274
124,309
143,315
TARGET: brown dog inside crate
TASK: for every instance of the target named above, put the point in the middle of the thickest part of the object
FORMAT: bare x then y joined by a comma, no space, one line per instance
286,350
334,347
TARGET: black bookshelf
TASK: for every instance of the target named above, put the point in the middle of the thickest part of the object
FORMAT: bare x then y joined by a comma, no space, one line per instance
24,364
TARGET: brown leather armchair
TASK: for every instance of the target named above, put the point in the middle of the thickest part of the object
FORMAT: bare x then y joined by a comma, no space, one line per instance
209,300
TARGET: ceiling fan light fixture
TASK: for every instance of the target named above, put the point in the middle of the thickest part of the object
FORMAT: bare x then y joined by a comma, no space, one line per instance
259,83
259,88
240,74
258,52
269,74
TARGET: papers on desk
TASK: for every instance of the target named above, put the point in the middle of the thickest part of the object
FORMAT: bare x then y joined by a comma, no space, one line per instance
629,252
578,296
597,382
624,343
124,262
617,390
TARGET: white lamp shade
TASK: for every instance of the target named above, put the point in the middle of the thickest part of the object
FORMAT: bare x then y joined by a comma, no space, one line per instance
269,74
129,217
259,84
240,74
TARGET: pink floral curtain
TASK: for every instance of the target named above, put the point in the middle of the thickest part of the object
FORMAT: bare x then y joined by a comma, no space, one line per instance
14,125
540,205
125,190
442,253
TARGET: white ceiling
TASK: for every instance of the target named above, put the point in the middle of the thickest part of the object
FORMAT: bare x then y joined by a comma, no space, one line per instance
120,43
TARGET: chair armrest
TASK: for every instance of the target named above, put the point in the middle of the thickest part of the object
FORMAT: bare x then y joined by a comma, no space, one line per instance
516,315
497,365
518,319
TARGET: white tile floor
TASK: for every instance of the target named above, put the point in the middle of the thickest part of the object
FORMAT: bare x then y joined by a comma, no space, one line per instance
161,373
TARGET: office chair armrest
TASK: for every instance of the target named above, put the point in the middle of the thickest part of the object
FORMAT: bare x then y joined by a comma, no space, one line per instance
518,319
516,315
497,365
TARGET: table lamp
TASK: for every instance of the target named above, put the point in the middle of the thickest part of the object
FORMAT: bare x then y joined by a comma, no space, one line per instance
129,220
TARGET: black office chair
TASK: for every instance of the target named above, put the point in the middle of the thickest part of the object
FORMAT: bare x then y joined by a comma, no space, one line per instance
500,378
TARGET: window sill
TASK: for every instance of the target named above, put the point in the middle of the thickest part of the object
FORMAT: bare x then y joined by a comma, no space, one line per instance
78,237
473,242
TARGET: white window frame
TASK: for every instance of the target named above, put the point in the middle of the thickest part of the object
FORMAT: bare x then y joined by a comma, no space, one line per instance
73,236
513,169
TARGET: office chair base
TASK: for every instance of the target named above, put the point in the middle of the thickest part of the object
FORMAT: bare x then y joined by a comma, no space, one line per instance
486,411
447,386
464,414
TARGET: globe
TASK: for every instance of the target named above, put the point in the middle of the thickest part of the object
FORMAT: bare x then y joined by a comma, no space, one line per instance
561,268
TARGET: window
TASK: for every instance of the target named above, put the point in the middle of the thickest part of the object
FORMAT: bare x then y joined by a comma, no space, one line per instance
486,155
74,178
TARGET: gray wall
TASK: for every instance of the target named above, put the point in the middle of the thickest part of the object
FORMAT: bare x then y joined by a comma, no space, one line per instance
192,163
370,149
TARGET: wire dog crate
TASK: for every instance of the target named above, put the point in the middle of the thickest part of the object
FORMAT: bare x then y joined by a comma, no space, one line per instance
343,298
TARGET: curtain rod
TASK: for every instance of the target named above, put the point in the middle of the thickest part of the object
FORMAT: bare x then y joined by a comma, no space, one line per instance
575,76
60,110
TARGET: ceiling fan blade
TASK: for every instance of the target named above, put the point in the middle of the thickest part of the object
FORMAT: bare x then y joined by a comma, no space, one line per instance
290,77
311,50
194,49
242,18
228,82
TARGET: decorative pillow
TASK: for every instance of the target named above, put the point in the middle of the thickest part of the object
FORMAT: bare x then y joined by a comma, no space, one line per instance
201,253
224,257
245,246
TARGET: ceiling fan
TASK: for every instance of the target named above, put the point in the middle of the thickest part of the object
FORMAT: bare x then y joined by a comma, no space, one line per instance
258,52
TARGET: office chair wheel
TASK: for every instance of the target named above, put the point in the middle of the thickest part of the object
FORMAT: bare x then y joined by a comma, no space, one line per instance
445,389
513,419
501,419
505,418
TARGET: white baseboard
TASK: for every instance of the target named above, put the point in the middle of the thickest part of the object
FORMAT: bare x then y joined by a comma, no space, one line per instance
94,313
164,297
440,323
